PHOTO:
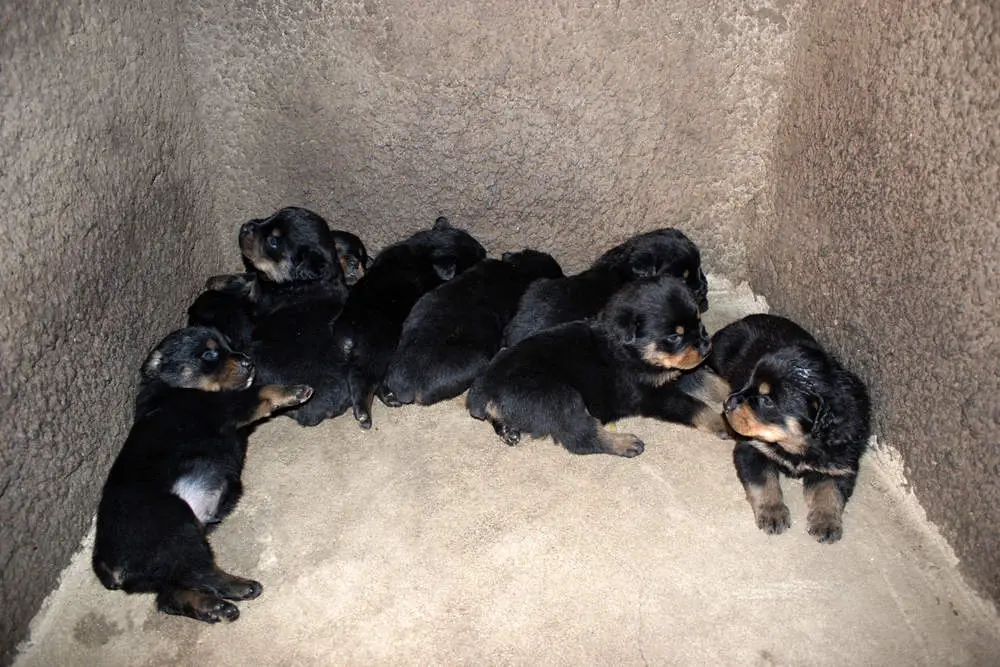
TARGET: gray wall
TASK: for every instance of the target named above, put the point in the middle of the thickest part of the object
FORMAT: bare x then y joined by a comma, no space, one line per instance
884,238
105,233
838,157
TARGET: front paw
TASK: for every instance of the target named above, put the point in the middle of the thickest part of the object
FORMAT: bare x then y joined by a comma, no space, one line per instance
364,418
388,398
826,527
774,519
295,394
509,435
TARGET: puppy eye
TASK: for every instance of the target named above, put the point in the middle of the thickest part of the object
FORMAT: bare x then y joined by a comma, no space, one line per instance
674,338
271,242
210,355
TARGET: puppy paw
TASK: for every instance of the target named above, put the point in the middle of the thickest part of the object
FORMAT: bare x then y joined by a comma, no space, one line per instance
364,418
624,444
241,589
509,435
219,611
388,398
774,519
826,527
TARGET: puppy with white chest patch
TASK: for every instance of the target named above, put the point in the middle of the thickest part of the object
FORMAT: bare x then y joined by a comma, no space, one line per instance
797,411
178,475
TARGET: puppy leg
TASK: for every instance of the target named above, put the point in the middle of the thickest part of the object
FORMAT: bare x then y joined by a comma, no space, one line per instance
825,498
196,604
760,480
668,403
507,433
271,398
225,585
388,397
575,429
362,395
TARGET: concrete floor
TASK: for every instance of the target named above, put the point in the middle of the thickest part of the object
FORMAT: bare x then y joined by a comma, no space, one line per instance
428,541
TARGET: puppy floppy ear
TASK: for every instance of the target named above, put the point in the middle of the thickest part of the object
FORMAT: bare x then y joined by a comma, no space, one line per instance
445,268
311,265
625,326
644,266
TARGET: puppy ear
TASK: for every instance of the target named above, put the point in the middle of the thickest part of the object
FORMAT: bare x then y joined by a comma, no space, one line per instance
442,223
445,268
644,266
311,265
625,326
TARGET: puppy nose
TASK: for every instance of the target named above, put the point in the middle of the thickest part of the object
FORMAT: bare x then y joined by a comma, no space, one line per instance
733,402
245,361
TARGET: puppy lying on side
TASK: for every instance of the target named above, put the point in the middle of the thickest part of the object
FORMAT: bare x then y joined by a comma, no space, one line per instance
368,330
569,380
796,410
452,332
550,302
298,290
178,475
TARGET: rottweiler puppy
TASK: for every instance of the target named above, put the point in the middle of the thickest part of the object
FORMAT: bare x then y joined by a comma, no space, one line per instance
568,380
453,331
178,475
795,410
368,330
352,254
556,301
298,290
227,304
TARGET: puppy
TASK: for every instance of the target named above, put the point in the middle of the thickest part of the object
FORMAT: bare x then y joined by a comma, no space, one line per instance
368,330
569,380
550,302
178,475
227,304
352,255
298,290
452,332
795,410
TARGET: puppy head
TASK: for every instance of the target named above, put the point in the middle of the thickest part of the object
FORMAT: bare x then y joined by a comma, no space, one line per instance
663,251
293,245
782,401
533,263
352,255
450,250
198,358
658,321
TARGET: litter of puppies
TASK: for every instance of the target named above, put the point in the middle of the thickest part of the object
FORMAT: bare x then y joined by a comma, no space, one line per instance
313,327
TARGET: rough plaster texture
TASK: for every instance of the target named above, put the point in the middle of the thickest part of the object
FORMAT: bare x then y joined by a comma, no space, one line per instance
566,125
103,239
135,136
884,237
427,541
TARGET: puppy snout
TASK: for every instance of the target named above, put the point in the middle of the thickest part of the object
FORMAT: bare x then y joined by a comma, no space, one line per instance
733,402
244,361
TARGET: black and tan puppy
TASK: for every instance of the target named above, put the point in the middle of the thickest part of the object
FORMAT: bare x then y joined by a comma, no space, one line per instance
795,410
569,380
298,290
368,330
178,475
454,331
352,255
556,301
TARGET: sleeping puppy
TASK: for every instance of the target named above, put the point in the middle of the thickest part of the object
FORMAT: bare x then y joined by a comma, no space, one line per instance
569,380
368,330
228,305
550,302
298,290
352,255
795,410
178,475
452,332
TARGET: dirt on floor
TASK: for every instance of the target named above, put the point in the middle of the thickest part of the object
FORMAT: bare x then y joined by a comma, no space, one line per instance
428,541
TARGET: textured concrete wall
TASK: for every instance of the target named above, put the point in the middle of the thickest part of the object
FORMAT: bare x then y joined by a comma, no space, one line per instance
884,236
568,125
105,233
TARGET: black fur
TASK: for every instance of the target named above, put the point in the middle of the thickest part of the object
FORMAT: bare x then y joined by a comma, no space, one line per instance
568,380
299,290
453,331
178,475
795,409
368,330
227,304
550,302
